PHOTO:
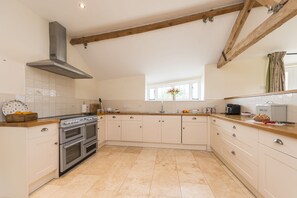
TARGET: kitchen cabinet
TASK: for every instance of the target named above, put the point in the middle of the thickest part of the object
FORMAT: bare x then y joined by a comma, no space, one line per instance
114,130
194,130
162,129
43,151
29,158
101,130
277,166
132,128
238,146
171,129
152,129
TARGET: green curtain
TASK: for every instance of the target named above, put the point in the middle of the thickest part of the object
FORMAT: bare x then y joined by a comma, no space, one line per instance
275,79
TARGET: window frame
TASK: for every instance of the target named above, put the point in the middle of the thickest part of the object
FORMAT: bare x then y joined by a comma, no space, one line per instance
174,84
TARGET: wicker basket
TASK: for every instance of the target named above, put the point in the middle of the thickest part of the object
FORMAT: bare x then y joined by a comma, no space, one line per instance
21,117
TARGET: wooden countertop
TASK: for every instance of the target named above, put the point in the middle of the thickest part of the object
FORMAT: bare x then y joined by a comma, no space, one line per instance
148,113
289,130
38,122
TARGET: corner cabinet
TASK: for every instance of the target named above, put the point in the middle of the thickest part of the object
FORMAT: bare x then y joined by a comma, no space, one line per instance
29,158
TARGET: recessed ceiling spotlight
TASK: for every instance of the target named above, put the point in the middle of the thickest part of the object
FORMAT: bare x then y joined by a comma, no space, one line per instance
82,5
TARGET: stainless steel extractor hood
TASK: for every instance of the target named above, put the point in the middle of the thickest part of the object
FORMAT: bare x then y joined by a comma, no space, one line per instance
57,63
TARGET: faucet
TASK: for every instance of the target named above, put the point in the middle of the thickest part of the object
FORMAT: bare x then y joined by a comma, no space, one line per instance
162,107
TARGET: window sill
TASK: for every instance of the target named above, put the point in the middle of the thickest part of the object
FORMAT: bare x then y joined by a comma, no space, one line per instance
174,100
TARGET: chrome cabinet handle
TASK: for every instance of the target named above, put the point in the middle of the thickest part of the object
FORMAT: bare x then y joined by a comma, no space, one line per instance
234,127
131,117
119,126
101,118
162,120
44,129
159,120
194,118
214,120
234,135
114,117
218,133
233,152
140,126
56,143
278,141
184,128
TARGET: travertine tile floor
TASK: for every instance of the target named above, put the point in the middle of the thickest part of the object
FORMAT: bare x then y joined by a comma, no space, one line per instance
129,172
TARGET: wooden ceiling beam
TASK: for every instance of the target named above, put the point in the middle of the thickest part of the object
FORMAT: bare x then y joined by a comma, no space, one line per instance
269,3
159,25
287,12
239,23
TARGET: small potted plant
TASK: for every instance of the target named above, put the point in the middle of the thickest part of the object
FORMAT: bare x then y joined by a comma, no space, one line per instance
173,92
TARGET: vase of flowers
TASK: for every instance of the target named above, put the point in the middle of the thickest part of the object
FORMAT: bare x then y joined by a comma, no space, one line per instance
173,92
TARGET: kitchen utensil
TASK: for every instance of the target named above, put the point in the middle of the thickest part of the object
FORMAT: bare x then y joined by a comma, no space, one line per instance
13,106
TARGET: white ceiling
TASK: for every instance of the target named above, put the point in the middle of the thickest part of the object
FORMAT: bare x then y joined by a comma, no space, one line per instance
177,52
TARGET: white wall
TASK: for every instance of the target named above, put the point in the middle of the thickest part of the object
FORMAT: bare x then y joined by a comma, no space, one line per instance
129,88
24,37
237,78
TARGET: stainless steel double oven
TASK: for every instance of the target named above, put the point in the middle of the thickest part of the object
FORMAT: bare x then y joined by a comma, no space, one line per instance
78,140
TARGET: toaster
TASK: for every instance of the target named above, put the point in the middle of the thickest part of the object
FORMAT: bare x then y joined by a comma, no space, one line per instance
233,109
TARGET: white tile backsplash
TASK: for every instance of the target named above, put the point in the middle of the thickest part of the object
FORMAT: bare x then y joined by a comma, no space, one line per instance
169,106
249,104
47,94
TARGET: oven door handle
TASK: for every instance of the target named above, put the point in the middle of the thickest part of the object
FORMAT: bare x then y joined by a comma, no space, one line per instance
69,129
74,143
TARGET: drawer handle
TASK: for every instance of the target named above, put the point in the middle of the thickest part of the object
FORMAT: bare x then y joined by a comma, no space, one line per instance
233,152
234,135
101,118
131,117
218,133
44,129
140,126
119,126
194,118
234,127
114,117
214,120
159,120
162,120
278,141
184,128
56,143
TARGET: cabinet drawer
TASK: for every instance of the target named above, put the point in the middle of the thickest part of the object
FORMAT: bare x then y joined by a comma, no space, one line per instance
216,121
114,117
43,131
132,117
194,119
101,118
280,143
240,161
243,134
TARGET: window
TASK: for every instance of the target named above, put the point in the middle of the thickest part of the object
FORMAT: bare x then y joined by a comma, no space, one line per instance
189,90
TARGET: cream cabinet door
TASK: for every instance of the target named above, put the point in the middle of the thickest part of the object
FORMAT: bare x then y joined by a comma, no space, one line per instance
101,132
43,151
194,133
114,131
215,137
132,131
171,129
277,174
152,129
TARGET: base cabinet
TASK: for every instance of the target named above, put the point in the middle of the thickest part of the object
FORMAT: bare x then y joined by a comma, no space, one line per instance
278,174
114,130
101,129
152,129
171,129
132,131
